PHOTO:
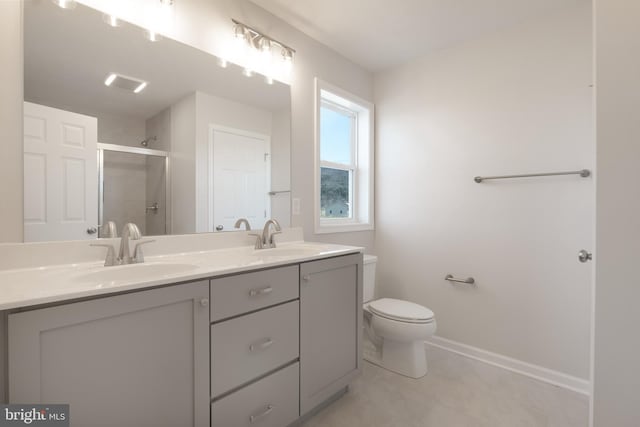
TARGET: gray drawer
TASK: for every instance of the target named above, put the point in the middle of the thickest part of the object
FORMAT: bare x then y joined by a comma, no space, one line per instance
270,402
239,294
252,345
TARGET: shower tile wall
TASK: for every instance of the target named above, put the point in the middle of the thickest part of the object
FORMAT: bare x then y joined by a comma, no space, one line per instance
125,189
155,193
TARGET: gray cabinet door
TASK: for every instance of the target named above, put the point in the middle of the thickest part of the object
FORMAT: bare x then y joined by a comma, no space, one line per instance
138,359
330,327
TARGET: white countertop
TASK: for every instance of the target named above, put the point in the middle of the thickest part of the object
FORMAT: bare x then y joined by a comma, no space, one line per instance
22,287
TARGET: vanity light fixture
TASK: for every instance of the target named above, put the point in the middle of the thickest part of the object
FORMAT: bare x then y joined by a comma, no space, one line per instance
259,42
65,4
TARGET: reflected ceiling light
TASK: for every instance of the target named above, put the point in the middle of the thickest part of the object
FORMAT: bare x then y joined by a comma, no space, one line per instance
111,20
152,36
140,88
65,4
110,78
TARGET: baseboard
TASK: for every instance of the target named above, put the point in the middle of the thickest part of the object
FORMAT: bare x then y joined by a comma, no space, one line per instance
556,378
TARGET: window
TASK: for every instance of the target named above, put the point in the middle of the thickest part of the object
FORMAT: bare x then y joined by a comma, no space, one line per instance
344,161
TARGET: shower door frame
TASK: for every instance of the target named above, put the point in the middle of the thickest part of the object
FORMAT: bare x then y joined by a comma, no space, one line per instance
134,150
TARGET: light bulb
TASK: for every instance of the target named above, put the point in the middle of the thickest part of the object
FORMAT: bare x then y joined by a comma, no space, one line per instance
65,4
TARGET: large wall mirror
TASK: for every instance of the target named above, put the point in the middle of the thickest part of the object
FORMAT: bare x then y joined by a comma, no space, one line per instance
118,129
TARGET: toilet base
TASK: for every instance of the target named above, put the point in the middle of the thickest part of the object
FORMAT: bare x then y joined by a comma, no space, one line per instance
404,358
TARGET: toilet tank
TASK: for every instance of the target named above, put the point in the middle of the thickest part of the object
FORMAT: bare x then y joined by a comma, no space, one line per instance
369,277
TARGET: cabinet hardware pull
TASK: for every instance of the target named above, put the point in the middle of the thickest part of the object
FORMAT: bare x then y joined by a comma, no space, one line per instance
264,344
261,291
254,418
204,302
306,277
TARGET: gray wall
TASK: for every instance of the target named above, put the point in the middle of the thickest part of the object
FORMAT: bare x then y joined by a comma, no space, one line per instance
11,94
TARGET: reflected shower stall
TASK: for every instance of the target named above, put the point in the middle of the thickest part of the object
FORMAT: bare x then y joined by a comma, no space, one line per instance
133,187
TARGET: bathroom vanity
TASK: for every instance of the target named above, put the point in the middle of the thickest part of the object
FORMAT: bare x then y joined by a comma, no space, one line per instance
266,339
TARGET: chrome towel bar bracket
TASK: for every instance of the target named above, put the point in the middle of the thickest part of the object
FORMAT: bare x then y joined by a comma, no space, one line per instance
468,280
584,173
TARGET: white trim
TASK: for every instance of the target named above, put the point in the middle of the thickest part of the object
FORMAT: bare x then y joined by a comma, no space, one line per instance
550,376
132,150
236,131
362,210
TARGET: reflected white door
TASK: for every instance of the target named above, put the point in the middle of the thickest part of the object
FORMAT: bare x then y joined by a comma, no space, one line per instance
239,179
60,174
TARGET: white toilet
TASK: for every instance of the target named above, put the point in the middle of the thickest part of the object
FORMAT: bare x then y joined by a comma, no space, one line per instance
395,330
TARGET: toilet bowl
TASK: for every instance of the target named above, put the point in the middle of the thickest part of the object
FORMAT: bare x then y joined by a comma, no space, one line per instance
395,330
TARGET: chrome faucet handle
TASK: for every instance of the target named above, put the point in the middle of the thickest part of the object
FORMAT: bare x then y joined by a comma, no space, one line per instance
110,260
241,221
259,240
138,256
109,229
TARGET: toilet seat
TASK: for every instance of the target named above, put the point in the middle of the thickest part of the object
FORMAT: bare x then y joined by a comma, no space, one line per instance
401,311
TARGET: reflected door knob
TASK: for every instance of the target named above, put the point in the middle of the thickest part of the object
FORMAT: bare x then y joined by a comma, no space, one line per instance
584,256
219,227
92,230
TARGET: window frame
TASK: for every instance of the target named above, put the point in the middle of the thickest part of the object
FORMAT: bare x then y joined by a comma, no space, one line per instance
361,203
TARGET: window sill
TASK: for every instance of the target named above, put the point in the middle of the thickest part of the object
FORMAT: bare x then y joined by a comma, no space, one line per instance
324,228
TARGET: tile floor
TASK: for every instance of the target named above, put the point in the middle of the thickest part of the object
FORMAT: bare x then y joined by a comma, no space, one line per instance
457,392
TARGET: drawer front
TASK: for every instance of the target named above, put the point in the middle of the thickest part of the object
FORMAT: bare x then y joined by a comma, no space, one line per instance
270,402
239,294
249,346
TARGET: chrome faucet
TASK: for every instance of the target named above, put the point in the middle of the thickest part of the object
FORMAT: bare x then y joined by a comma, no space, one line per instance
241,221
129,232
265,239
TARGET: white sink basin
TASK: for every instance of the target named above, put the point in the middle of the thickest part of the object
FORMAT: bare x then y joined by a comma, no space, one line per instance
134,272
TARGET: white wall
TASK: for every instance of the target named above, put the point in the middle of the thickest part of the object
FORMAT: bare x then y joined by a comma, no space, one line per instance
11,93
281,166
183,165
515,102
616,372
120,130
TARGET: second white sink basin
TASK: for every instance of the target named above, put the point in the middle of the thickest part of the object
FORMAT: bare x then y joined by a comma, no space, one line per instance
134,272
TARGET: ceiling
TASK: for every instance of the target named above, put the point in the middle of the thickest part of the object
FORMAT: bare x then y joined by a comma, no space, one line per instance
379,34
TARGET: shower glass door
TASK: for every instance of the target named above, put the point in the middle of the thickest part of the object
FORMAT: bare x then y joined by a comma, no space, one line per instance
133,184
